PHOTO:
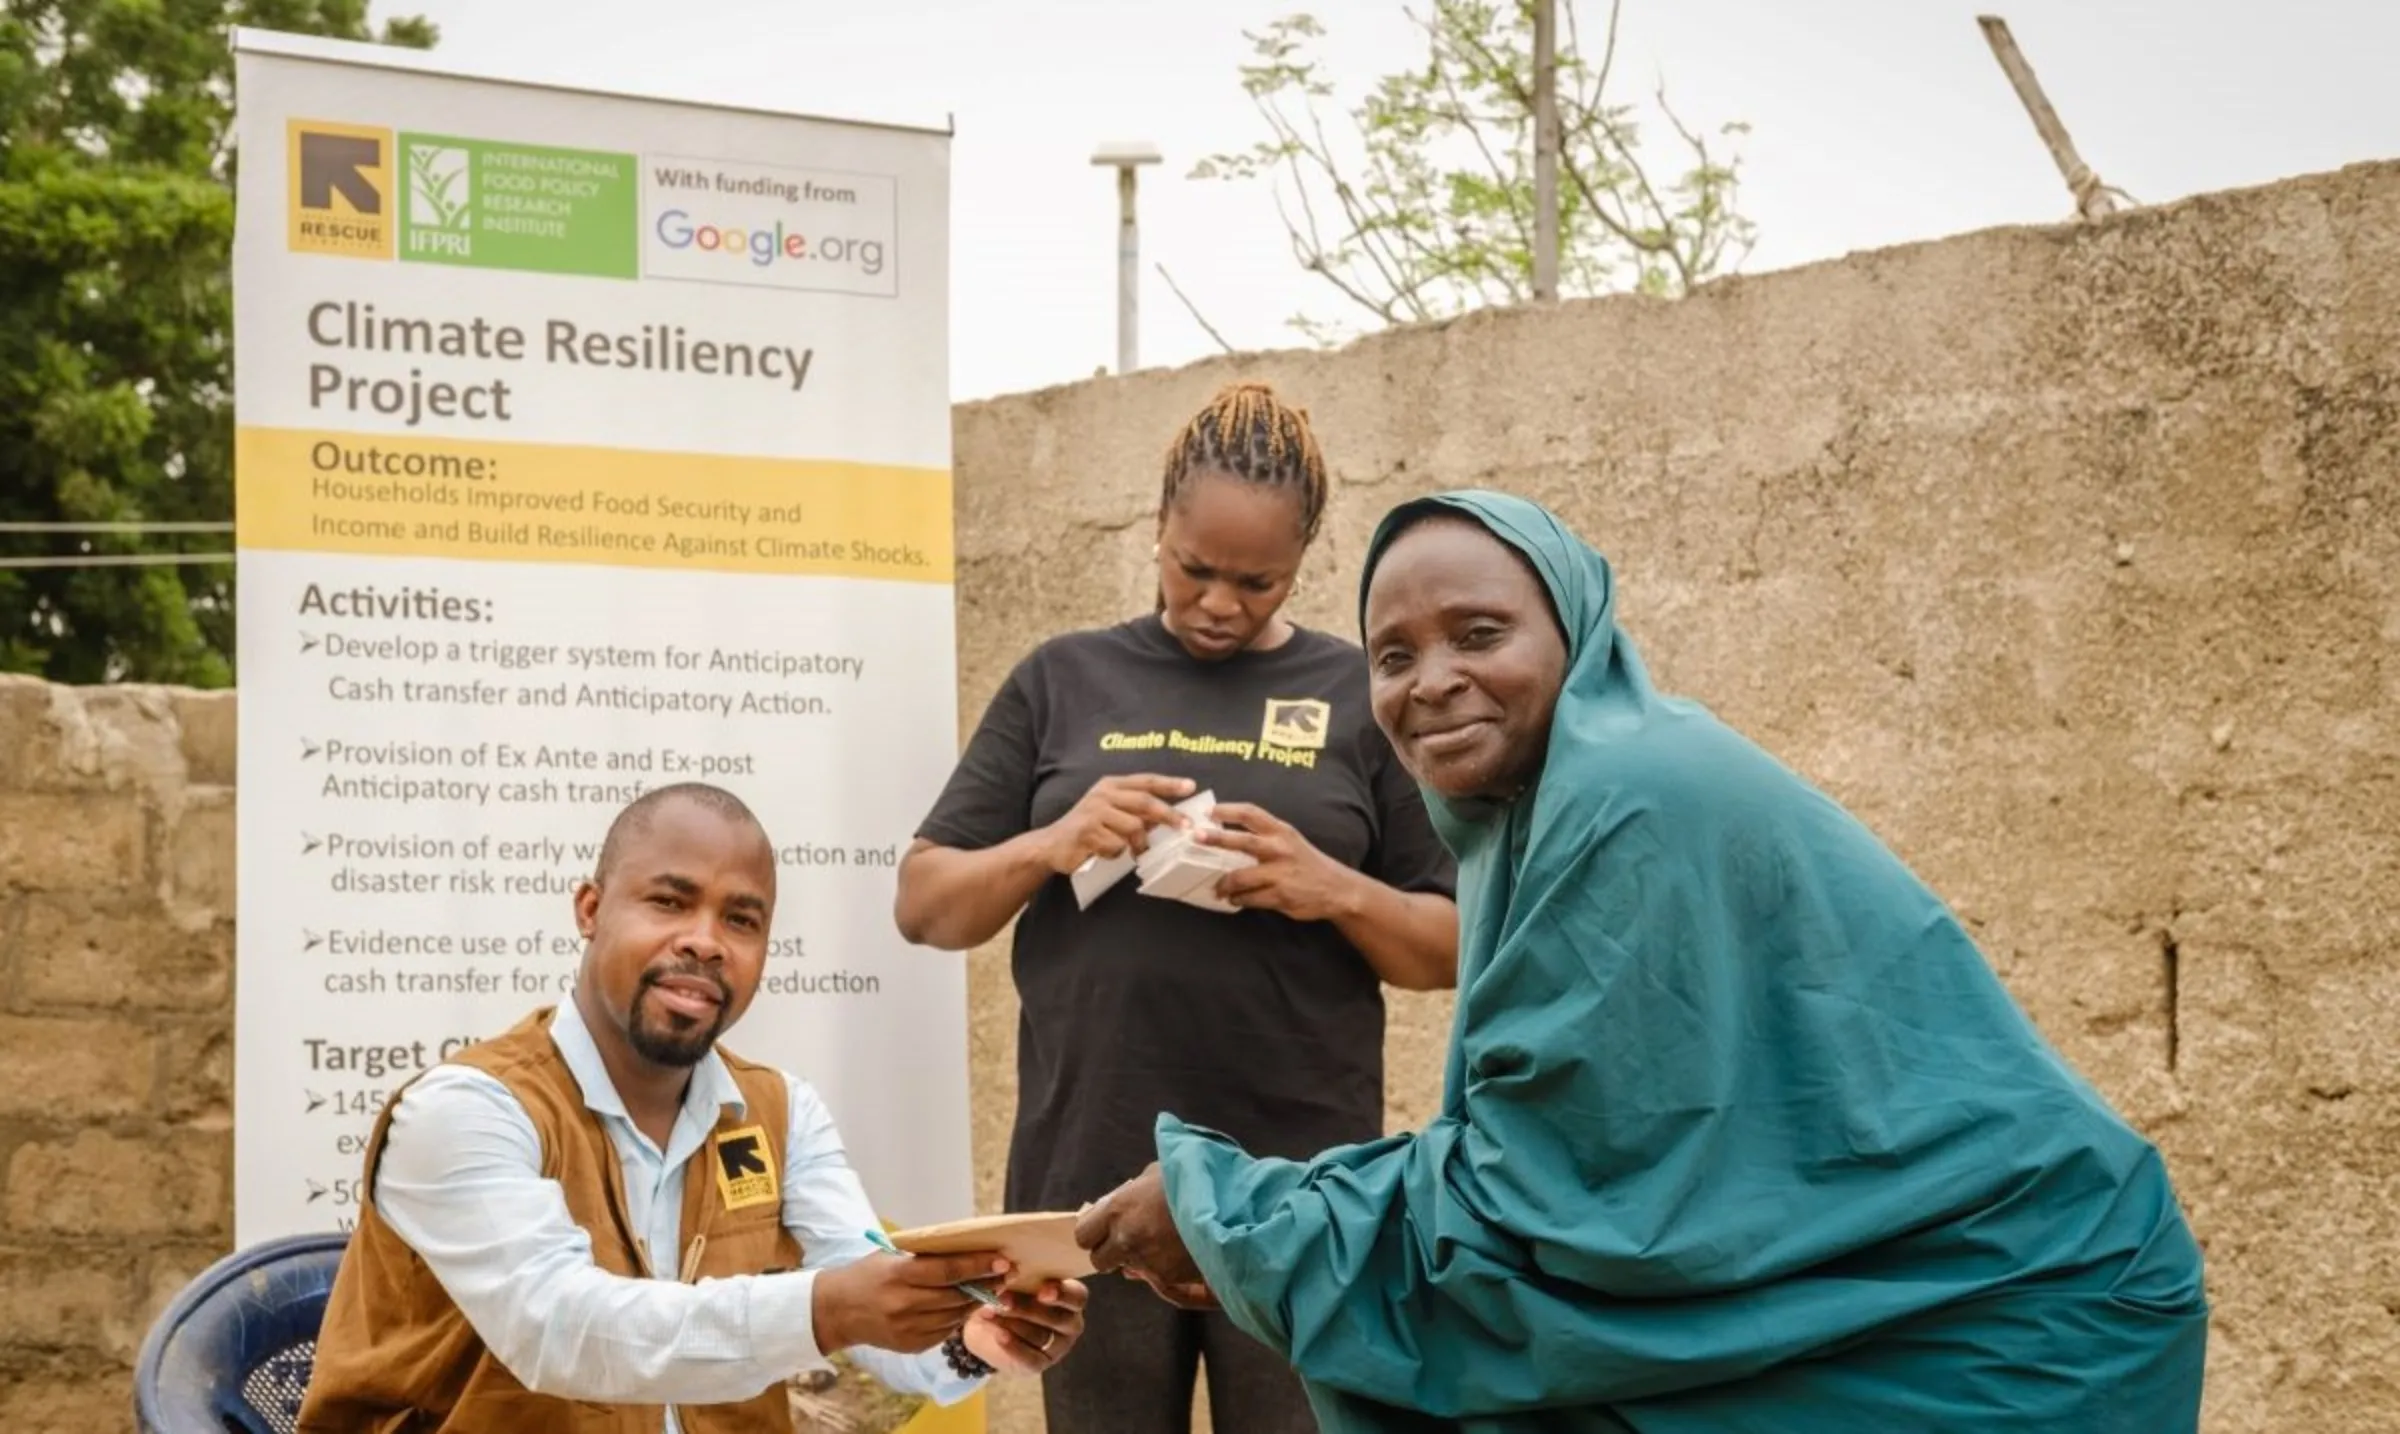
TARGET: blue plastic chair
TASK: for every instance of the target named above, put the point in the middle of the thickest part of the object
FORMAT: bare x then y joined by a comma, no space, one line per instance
232,1353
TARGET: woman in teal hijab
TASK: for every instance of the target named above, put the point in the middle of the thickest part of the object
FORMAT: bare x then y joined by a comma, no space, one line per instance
1740,1134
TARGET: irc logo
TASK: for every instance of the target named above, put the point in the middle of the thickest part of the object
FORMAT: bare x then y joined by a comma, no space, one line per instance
340,199
745,1169
1298,723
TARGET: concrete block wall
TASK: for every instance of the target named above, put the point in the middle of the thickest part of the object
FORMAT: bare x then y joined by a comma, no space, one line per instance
2068,558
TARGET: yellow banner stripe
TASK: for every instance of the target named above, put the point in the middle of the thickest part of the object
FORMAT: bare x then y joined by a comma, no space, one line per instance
964,1417
322,492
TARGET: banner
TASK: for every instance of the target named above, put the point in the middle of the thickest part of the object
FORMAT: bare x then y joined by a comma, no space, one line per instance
584,444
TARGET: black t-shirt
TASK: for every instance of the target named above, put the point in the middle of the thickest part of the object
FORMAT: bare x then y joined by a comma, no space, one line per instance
1267,1029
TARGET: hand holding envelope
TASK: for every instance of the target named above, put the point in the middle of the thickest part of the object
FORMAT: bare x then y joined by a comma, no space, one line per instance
1175,864
1113,819
1279,869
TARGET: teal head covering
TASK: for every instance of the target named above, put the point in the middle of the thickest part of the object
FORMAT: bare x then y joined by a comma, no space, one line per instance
1606,687
1739,1131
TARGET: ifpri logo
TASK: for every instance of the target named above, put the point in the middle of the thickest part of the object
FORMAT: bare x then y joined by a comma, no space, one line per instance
340,194
441,199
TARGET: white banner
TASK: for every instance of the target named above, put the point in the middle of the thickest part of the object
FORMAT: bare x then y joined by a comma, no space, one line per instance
585,444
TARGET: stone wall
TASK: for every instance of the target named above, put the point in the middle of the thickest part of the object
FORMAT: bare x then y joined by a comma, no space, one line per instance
2069,558
116,1036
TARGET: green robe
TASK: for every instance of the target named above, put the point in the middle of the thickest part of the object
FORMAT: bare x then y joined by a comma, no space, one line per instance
1739,1130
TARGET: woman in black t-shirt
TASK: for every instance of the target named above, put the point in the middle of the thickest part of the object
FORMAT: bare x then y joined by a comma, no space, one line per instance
1265,1023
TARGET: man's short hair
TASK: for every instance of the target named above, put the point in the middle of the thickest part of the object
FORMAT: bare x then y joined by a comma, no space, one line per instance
635,819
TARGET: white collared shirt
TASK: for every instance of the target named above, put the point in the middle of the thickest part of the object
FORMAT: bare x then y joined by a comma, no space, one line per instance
461,1182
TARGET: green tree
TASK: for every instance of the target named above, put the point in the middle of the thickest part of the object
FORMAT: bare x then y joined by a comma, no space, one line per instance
1427,207
116,229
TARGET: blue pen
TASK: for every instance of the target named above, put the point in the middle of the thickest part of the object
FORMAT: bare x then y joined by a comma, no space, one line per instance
975,1292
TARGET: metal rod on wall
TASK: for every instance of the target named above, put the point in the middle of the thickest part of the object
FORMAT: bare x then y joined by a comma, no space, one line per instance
2093,199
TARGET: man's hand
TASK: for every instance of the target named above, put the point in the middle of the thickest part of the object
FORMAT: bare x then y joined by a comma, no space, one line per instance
903,1303
1131,1230
1114,817
1292,876
1029,1333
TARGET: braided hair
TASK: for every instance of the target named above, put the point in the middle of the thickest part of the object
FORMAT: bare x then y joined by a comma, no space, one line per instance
1246,432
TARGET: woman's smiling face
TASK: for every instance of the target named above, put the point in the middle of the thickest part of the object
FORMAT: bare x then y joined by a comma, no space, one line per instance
1464,658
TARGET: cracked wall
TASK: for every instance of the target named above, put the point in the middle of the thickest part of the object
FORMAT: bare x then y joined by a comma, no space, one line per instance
2069,559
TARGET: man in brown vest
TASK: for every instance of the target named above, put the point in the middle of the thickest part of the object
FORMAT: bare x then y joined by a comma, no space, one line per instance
602,1220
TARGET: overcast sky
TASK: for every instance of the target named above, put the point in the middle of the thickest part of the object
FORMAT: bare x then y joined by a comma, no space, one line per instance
1876,122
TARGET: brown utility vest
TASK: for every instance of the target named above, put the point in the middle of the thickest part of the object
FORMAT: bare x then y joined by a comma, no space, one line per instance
395,1356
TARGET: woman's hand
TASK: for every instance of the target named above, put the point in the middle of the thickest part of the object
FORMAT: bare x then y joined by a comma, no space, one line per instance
1029,1333
1131,1230
1409,938
1292,877
1113,818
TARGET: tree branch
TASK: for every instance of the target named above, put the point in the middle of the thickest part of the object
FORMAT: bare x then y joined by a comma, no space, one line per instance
1437,212
1290,149
1702,258
1367,233
1192,308
1621,228
1501,176
1315,263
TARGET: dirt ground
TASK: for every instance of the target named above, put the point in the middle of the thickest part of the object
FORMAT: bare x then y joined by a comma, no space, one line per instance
848,1401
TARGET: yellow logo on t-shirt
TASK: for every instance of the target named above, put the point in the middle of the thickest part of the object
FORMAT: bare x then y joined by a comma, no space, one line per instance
1296,722
746,1168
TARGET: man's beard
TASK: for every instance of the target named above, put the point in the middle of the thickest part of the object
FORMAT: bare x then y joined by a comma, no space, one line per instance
676,1040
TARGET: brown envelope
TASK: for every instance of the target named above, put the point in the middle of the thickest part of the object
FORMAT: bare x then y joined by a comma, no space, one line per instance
1041,1246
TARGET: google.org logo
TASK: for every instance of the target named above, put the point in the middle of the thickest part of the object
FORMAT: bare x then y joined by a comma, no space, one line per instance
763,245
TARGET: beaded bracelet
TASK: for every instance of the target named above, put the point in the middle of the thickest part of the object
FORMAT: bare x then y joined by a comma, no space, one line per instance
964,1362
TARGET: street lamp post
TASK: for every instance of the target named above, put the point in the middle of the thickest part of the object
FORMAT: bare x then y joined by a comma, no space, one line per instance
1125,157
